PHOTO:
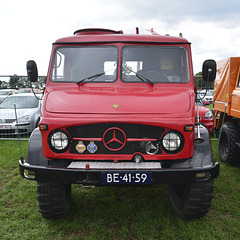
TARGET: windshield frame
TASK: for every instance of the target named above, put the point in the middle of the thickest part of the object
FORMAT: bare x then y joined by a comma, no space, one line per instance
137,80
87,76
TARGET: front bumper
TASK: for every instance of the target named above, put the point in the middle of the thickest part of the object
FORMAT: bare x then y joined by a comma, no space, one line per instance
92,175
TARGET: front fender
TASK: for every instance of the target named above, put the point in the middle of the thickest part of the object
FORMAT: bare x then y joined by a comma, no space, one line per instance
34,153
202,153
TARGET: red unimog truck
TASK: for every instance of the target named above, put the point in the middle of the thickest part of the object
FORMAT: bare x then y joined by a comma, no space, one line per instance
119,110
227,109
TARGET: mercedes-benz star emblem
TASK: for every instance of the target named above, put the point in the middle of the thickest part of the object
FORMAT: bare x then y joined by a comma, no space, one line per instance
114,139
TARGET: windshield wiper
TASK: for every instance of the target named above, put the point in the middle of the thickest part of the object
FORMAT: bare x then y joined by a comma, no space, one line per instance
93,77
142,78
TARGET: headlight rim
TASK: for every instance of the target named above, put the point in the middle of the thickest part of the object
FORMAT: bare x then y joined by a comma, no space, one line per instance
182,142
50,143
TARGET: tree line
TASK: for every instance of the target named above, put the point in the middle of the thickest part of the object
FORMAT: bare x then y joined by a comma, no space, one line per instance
17,82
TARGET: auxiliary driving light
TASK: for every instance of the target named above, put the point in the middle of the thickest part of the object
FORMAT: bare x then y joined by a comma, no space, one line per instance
203,176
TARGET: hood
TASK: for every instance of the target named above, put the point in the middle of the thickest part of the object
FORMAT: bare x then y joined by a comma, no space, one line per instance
10,113
2,97
165,102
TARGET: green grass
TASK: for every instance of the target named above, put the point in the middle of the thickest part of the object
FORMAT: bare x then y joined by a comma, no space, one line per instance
210,106
112,213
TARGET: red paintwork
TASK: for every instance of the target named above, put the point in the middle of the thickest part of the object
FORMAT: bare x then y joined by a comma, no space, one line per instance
117,38
171,106
209,123
101,100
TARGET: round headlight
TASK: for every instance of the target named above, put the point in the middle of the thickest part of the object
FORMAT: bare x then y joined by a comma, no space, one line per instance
208,115
171,141
26,118
59,140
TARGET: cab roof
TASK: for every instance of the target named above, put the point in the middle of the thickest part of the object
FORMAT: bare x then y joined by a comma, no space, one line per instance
94,35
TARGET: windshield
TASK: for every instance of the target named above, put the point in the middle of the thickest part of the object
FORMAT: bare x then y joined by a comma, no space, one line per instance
20,101
155,63
210,93
4,92
74,64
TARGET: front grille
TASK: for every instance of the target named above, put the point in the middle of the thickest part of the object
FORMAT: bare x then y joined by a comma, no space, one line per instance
7,131
114,138
12,131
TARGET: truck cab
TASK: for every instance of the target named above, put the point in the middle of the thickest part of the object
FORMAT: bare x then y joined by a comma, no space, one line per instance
119,109
227,109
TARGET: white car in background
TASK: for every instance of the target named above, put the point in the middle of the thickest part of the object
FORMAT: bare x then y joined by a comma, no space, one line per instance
207,96
28,114
4,93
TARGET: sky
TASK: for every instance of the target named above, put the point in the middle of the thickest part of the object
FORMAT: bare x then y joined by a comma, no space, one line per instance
28,28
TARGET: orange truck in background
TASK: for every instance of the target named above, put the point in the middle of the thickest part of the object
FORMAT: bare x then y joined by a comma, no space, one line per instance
227,109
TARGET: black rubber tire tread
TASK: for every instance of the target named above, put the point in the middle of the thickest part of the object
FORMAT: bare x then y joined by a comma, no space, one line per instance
192,200
229,150
54,199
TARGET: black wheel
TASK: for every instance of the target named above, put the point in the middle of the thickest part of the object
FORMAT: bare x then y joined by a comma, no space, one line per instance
54,199
229,149
217,132
191,200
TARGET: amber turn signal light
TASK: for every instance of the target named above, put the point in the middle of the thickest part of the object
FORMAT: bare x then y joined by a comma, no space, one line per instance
43,127
188,128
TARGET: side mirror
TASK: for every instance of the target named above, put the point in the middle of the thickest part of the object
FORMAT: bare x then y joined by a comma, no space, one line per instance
209,70
32,71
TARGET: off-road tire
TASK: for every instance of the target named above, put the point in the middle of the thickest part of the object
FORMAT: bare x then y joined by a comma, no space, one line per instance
54,199
229,149
191,200
217,133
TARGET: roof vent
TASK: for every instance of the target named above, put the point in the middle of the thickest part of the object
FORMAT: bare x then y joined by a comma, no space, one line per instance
94,31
